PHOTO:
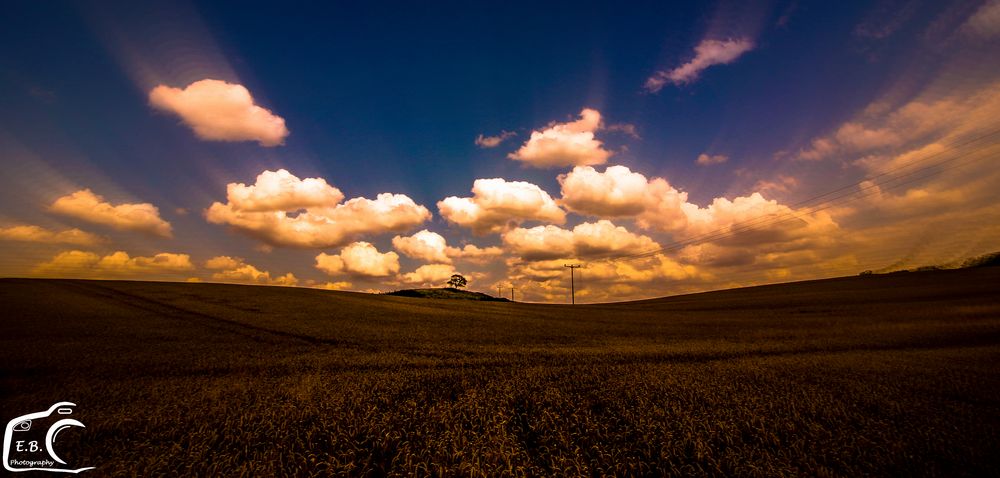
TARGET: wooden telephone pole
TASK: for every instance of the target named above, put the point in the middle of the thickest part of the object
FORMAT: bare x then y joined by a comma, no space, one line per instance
512,293
572,281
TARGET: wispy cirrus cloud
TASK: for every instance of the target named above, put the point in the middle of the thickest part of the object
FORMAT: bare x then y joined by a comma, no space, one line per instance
706,54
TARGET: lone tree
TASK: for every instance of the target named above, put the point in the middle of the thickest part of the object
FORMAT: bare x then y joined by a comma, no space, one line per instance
457,281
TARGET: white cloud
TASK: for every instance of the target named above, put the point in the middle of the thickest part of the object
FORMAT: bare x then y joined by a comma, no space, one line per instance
587,240
285,211
88,264
498,205
40,235
282,191
707,53
493,141
565,144
707,160
223,263
359,259
615,192
424,245
90,207
219,111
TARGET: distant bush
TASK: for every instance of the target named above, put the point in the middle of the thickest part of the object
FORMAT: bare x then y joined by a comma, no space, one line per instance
986,260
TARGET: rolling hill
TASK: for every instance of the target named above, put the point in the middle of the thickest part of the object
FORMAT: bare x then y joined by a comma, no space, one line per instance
879,375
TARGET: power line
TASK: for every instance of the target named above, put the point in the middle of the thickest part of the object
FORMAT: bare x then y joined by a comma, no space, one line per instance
773,219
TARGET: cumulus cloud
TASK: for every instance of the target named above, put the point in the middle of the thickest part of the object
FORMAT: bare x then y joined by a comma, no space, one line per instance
708,160
565,144
498,205
475,254
707,53
282,191
90,207
219,111
234,269
430,274
493,141
586,240
88,264
359,259
424,245
616,192
282,210
657,205
40,235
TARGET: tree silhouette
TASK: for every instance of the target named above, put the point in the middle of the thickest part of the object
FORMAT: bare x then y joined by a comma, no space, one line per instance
457,281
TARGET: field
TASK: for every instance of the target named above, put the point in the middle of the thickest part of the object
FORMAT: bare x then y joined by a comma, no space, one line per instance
891,375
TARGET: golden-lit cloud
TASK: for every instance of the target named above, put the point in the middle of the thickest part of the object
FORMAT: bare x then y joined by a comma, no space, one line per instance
429,274
359,259
583,241
424,245
235,269
90,207
498,205
339,285
475,254
88,264
286,211
708,53
432,247
40,235
486,142
219,111
565,144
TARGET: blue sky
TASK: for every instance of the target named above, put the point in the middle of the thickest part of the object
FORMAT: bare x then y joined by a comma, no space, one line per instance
381,98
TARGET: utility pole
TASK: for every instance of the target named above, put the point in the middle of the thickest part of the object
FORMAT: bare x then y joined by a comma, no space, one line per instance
512,293
499,290
572,282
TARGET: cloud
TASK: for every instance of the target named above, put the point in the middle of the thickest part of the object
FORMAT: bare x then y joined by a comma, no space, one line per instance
219,111
282,191
475,254
565,144
707,53
615,192
339,285
88,264
359,259
587,240
627,129
281,210
985,22
493,141
424,245
430,274
223,262
90,207
498,205
706,160
234,269
657,205
40,235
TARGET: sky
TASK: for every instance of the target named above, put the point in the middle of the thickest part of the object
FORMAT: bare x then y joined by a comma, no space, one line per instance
666,147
